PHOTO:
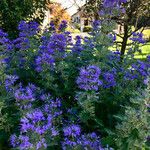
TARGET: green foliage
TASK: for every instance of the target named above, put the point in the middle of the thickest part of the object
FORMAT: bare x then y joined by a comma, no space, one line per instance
134,127
9,115
92,8
77,26
87,102
87,29
12,12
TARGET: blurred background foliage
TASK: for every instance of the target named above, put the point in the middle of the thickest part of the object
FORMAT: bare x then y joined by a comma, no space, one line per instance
13,11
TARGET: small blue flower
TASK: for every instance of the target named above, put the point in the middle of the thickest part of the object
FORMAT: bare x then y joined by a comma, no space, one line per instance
63,25
137,37
9,82
89,78
109,80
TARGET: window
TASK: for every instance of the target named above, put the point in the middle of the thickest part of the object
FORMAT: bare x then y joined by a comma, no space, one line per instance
86,22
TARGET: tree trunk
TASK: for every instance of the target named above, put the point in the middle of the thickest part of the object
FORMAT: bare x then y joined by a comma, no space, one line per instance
96,16
124,42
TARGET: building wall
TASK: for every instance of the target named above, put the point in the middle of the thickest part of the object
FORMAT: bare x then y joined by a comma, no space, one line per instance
81,19
76,18
47,17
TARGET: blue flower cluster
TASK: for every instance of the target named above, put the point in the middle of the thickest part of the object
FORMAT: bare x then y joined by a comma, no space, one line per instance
51,52
92,77
109,79
27,30
138,70
10,81
39,125
74,139
5,43
63,25
114,56
52,26
22,43
44,59
77,47
25,96
89,78
34,123
110,6
57,43
111,3
137,37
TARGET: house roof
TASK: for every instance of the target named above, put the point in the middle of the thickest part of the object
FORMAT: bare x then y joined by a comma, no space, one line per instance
79,10
69,5
73,7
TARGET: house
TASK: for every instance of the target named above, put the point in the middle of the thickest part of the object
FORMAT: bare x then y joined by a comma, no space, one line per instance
81,20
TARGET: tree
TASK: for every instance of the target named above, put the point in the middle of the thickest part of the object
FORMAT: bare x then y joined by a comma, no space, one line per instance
93,8
135,11
13,11
58,14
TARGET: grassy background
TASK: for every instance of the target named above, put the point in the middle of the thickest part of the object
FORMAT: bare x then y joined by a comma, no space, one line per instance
145,49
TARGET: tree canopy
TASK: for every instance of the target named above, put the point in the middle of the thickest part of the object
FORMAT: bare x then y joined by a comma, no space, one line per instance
58,13
13,11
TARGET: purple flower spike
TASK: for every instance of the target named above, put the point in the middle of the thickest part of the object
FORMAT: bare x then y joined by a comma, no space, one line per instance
89,78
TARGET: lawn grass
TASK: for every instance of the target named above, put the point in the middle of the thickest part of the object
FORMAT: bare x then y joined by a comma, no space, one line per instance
146,33
145,49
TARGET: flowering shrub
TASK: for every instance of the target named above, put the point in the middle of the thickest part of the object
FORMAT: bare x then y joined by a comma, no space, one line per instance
74,139
88,84
39,126
134,129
